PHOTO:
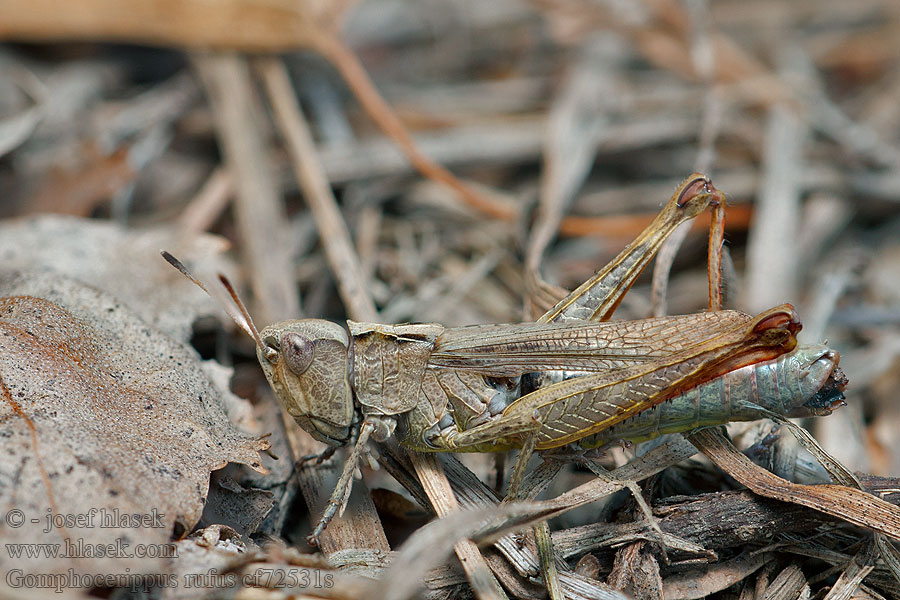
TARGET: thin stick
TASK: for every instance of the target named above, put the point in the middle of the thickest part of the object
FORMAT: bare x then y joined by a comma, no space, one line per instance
771,255
210,202
346,62
258,207
441,495
333,231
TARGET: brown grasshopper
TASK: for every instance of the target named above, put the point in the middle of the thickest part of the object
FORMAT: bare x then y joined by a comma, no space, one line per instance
571,377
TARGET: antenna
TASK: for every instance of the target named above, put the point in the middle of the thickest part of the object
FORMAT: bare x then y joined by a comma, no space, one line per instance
237,311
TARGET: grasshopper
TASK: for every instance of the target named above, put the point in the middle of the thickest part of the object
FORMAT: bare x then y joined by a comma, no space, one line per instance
571,377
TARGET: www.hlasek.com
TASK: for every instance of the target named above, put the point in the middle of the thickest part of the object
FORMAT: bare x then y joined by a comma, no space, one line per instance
79,548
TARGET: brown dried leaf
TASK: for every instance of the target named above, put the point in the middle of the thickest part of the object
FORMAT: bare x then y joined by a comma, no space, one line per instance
101,414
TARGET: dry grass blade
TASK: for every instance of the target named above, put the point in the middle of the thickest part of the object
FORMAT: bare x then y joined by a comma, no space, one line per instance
441,495
333,233
259,208
842,475
659,458
849,504
433,543
889,554
550,570
208,204
838,472
334,49
776,221
473,494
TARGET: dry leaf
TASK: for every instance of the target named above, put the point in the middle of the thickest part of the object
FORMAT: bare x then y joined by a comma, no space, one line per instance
123,262
103,417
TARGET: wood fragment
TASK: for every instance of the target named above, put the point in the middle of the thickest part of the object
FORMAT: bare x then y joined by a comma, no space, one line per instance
734,519
789,584
852,577
441,495
636,572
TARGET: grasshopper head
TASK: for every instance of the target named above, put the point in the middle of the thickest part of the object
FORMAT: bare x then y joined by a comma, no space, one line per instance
304,361
306,364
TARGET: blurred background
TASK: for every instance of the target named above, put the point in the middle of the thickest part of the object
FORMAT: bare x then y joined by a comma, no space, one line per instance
484,155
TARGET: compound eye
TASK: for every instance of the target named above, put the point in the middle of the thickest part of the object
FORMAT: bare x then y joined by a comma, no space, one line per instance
297,351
